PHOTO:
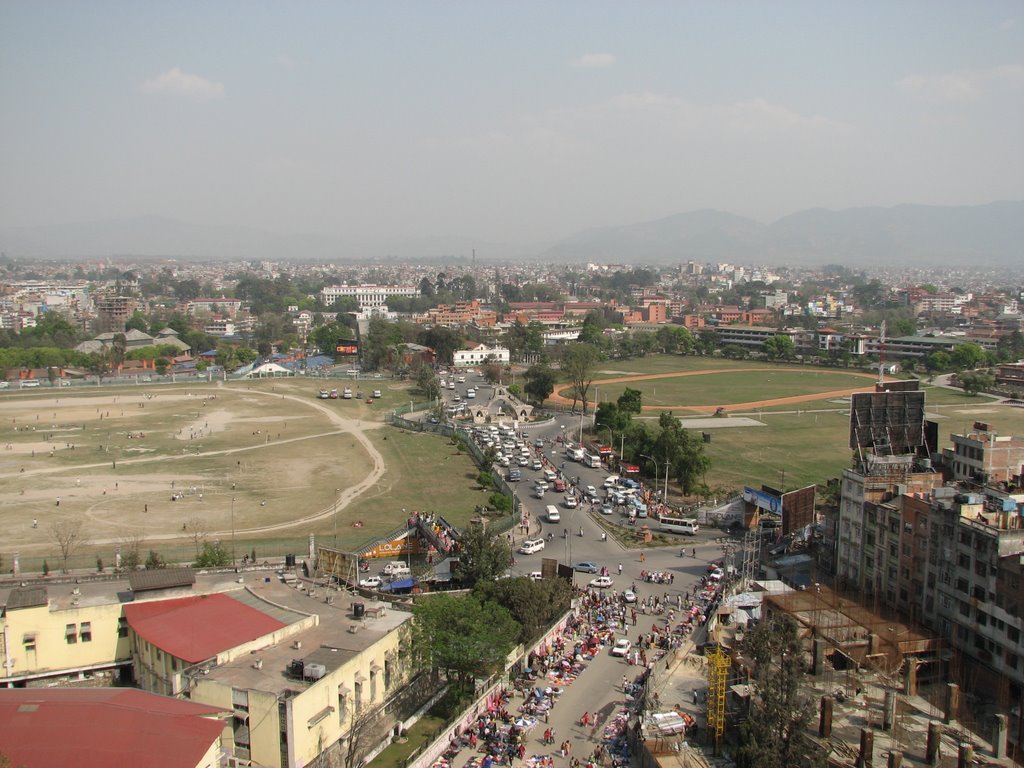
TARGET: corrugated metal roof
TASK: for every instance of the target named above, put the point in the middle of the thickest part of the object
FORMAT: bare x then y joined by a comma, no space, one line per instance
26,597
197,628
101,727
161,578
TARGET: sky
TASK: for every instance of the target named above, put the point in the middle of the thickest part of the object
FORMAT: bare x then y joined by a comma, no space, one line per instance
506,121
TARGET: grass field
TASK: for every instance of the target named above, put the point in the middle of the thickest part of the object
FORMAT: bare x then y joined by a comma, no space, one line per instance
254,457
796,445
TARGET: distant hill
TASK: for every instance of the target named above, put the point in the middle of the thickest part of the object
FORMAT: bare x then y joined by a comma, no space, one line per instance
911,235
906,235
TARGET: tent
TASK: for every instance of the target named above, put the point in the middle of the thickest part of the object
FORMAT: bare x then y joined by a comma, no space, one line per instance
399,584
269,370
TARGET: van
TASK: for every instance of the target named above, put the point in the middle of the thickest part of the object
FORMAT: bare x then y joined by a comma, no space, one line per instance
689,526
530,546
550,475
376,394
396,568
551,512
27,383
470,394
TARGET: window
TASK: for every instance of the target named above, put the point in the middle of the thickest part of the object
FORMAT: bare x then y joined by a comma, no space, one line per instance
963,561
29,641
358,697
1013,634
965,609
962,586
122,627
71,634
85,632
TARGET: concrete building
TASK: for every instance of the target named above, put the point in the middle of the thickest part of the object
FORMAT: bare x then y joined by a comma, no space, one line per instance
479,354
983,456
369,297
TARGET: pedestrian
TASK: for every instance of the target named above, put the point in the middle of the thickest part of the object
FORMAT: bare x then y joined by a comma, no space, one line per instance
694,695
625,682
620,569
643,557
694,551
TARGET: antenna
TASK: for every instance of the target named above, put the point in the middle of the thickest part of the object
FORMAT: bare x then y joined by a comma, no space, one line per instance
881,356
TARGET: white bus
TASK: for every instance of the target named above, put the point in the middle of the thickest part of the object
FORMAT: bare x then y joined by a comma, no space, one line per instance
591,460
685,525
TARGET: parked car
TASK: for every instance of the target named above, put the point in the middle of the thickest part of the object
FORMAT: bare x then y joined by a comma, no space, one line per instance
586,567
370,582
601,582
621,647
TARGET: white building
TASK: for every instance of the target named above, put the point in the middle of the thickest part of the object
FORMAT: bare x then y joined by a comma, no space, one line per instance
370,297
467,358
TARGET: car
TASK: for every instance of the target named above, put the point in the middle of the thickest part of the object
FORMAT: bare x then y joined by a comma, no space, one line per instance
369,401
537,465
29,383
591,491
65,383
601,582
530,546
570,501
606,509
538,492
434,420
716,574
621,647
586,567
552,515
611,481
629,596
523,461
514,476
536,576
541,484
370,582
376,393
4,385
538,443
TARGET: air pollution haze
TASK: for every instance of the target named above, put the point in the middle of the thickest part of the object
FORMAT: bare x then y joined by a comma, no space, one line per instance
530,129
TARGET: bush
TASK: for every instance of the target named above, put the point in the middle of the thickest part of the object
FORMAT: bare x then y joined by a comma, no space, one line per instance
485,480
500,502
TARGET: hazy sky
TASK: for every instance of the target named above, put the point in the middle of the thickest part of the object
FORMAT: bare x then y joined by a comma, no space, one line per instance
502,120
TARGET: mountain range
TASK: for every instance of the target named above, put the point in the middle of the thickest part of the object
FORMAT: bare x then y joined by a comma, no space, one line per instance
989,235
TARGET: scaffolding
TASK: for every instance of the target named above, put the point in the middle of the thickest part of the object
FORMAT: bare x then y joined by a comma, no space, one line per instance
718,677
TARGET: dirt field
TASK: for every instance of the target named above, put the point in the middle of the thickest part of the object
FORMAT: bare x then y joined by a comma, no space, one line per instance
267,459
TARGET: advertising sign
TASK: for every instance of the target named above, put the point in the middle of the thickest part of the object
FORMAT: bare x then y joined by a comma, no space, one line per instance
346,347
762,500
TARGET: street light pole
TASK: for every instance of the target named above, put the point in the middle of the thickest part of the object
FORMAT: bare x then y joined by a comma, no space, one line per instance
234,561
664,497
645,456
335,516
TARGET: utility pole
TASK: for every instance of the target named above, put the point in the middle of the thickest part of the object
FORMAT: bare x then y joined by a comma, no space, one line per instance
234,561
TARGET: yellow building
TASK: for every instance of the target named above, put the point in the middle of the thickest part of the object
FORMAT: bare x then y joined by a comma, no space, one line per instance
63,634
338,685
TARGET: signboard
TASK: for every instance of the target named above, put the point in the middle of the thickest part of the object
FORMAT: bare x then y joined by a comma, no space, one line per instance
631,469
762,500
404,544
346,347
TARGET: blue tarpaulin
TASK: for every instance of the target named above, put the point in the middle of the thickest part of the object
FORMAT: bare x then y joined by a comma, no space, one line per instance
400,584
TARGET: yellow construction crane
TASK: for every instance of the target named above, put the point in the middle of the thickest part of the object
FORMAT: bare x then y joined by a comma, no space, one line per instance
718,677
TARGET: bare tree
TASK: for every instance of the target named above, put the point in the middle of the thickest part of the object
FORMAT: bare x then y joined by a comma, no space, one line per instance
69,538
131,551
197,530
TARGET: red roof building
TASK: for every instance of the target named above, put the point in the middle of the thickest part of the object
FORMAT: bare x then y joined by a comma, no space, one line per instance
103,727
194,629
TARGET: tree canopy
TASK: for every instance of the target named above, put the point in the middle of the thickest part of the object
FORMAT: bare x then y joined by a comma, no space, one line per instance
579,363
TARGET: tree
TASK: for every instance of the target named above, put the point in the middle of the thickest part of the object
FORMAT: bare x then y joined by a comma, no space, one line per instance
154,561
137,322
197,530
534,604
540,382
579,363
775,734
483,557
675,339
69,538
780,347
684,453
212,555
974,382
964,357
630,401
492,372
428,383
937,361
131,549
462,637
610,416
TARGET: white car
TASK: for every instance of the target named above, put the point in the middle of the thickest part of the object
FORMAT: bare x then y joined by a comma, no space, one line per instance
531,546
591,491
4,385
370,582
629,596
602,582
611,481
570,501
537,464
536,575
621,647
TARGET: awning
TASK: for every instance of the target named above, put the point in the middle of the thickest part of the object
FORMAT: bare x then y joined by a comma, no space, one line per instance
400,584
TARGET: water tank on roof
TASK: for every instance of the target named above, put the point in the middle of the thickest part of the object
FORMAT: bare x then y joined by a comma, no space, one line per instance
314,671
296,668
358,610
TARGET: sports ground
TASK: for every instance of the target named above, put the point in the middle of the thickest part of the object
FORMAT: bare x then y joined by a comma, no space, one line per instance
147,466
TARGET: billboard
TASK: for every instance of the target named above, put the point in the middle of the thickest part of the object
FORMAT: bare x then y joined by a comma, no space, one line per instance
346,347
762,500
891,423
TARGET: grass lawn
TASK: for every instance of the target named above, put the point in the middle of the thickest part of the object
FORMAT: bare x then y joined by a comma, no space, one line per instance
419,735
735,386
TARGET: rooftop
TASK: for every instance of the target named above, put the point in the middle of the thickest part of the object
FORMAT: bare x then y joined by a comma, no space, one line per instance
330,643
197,628
100,727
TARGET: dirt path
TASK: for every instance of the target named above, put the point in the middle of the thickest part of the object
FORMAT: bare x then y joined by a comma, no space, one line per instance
558,397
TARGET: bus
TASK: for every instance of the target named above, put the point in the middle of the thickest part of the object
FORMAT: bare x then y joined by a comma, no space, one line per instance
686,525
591,460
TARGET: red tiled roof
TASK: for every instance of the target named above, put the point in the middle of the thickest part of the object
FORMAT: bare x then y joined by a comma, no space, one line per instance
200,627
101,727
